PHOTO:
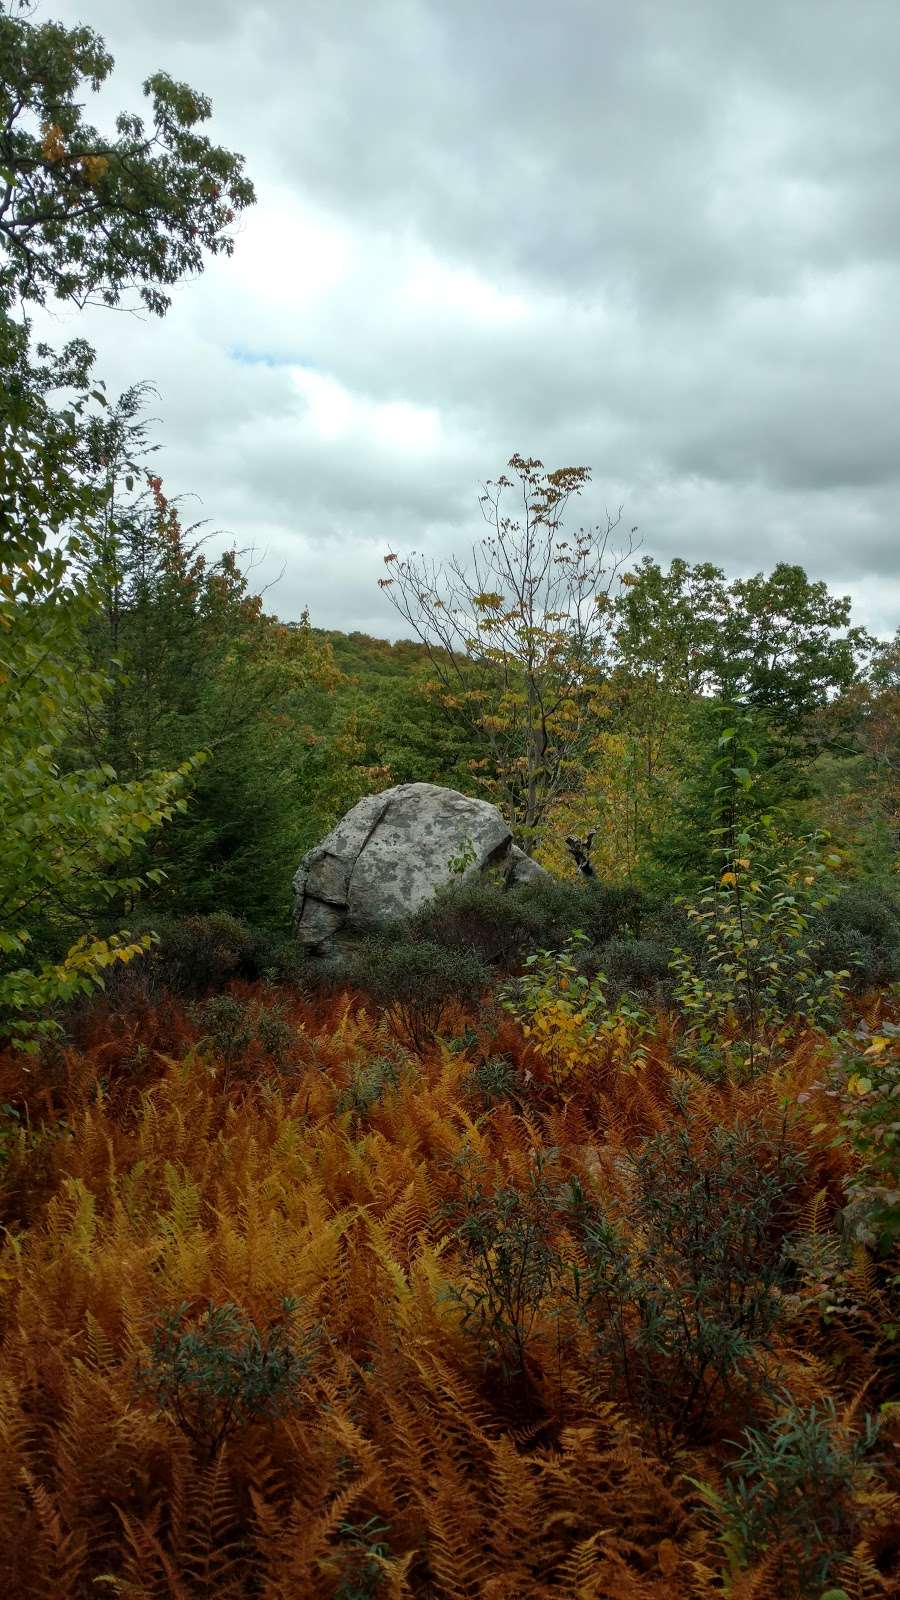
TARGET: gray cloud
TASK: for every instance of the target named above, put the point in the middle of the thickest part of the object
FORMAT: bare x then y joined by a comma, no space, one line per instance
663,240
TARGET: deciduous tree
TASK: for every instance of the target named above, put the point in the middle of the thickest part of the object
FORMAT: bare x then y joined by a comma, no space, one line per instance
517,634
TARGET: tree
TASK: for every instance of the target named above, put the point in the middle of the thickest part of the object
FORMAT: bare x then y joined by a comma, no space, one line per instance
64,832
781,643
517,634
697,655
81,217
862,784
191,660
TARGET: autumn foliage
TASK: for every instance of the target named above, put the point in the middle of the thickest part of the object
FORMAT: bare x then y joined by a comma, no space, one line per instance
425,1450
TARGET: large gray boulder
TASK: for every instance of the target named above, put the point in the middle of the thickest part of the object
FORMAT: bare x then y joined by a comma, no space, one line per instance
391,854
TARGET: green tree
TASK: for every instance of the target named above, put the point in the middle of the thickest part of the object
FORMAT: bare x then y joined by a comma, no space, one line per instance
81,217
694,654
65,833
781,644
191,660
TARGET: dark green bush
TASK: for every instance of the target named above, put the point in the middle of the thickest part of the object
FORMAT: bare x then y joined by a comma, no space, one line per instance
216,1371
415,981
502,925
860,931
493,1079
509,1238
482,916
275,1033
230,1025
683,1296
635,964
226,1024
367,1085
600,910
794,1486
608,910
196,954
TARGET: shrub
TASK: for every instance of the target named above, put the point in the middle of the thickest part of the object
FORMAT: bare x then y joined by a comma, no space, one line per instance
860,930
415,981
564,1011
367,1085
478,915
493,1079
229,1026
871,1125
193,955
610,910
601,911
226,1024
508,1237
794,1485
682,1299
275,1034
217,1372
636,964
761,962
502,924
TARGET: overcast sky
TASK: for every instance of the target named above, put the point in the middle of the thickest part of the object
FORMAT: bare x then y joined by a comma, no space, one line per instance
660,238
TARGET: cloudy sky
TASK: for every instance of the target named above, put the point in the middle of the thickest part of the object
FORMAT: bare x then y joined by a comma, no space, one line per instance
659,238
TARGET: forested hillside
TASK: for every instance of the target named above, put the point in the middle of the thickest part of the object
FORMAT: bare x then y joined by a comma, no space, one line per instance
541,1243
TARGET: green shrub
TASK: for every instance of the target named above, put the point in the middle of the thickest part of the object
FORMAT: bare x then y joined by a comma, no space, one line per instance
682,1298
478,915
860,930
870,1095
760,965
367,1085
509,1243
501,925
215,1372
415,981
275,1033
636,964
229,1026
610,910
193,955
226,1025
493,1079
794,1485
599,910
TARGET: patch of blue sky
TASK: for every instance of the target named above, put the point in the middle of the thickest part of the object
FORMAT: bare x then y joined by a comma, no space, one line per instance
249,357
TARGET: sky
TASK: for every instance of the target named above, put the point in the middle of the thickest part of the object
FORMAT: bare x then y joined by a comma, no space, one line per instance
660,239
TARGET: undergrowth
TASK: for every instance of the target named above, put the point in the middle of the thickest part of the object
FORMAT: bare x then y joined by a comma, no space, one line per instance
355,1316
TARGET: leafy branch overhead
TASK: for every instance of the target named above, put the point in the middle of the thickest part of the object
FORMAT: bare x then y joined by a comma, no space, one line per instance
91,216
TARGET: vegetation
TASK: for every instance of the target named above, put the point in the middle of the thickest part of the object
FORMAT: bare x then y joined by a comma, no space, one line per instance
516,637
547,1243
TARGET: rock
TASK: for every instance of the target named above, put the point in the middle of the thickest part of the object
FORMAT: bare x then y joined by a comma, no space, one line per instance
523,869
391,854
